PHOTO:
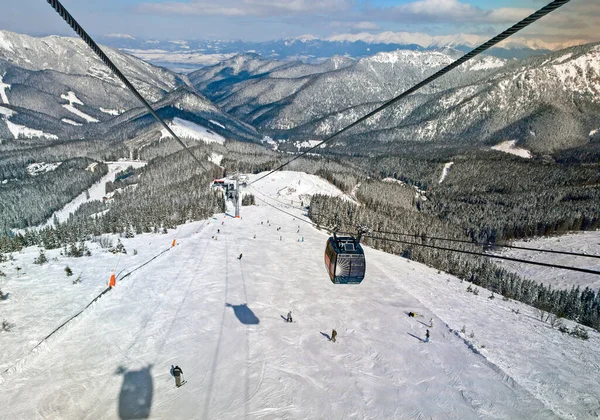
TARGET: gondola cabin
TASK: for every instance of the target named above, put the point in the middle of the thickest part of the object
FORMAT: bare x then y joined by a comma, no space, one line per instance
345,260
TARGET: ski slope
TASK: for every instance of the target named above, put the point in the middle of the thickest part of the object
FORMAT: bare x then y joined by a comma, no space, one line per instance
580,242
95,192
292,188
220,319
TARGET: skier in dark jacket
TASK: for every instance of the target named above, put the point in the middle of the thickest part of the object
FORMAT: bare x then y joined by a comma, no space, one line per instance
177,372
427,336
333,335
240,257
289,317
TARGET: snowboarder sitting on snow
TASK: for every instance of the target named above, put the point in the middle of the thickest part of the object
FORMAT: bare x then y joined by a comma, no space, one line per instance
289,317
177,372
333,335
240,257
412,314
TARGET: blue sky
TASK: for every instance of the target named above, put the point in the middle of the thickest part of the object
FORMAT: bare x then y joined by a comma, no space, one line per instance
267,19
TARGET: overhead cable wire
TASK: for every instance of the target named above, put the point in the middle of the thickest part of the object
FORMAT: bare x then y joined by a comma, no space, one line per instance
487,244
500,257
60,9
498,38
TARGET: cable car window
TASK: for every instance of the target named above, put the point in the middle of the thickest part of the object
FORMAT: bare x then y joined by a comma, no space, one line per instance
349,247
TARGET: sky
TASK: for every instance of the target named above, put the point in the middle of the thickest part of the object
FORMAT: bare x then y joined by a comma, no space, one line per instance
260,20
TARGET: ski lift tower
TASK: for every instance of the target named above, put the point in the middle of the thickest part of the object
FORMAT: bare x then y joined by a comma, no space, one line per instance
237,196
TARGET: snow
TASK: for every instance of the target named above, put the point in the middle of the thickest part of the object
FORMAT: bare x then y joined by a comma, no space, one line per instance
308,144
292,187
22,131
187,129
96,191
217,123
563,58
446,171
5,43
488,63
582,242
9,112
219,318
111,111
41,167
73,100
215,158
266,139
593,132
3,87
511,148
71,122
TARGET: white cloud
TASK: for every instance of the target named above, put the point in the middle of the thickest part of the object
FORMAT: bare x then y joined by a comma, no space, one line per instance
447,11
359,26
248,7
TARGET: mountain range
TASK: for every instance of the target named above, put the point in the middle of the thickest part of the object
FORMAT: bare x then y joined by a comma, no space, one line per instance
187,55
54,89
546,103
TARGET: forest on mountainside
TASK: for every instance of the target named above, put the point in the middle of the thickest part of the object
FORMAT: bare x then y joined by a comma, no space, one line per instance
30,200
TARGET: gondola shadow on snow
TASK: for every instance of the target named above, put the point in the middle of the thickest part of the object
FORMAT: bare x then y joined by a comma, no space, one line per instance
244,314
135,398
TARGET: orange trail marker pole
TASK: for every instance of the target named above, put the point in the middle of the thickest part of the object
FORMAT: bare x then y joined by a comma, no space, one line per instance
113,280
174,242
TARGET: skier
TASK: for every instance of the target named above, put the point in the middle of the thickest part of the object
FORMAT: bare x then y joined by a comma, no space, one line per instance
427,336
333,335
240,257
254,236
431,323
218,230
177,372
411,314
289,317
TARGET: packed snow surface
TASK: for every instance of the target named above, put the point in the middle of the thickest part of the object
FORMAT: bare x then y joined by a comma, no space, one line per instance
95,192
446,171
290,187
19,131
215,158
582,242
187,129
71,122
69,107
3,87
217,123
110,111
220,319
6,112
510,147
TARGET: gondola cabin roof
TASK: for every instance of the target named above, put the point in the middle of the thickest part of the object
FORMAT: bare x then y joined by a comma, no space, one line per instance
346,245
